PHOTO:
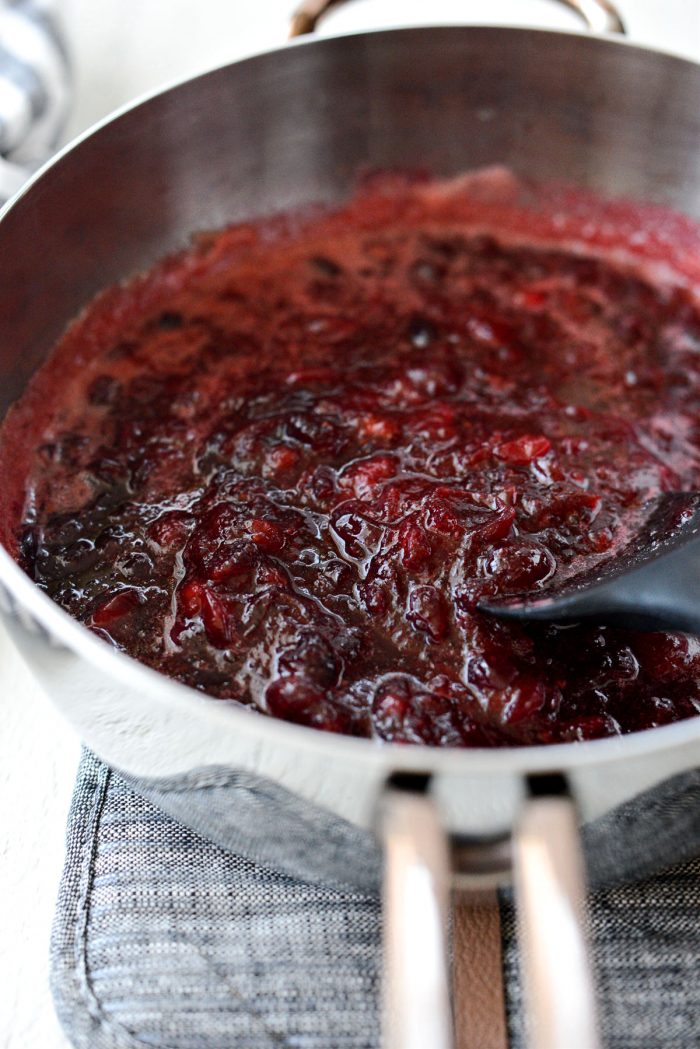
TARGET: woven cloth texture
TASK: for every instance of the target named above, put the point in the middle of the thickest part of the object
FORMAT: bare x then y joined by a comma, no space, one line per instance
253,817
164,939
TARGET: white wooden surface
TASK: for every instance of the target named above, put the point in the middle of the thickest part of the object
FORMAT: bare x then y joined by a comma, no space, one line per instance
122,48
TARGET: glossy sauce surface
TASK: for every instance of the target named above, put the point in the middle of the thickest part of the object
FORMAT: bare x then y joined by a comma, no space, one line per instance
290,462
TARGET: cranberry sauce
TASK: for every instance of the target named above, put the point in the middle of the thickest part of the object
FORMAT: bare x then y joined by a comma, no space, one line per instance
293,459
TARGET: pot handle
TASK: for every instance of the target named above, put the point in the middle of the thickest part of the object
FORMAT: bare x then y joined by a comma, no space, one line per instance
550,898
416,996
599,16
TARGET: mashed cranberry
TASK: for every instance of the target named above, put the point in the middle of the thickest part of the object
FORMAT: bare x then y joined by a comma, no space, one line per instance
292,461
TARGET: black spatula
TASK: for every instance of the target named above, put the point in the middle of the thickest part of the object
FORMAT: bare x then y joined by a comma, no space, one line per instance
653,583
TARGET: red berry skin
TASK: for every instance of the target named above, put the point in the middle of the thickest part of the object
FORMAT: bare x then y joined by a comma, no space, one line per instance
171,529
365,476
523,450
116,608
299,700
523,699
217,619
289,697
428,612
668,658
415,547
267,536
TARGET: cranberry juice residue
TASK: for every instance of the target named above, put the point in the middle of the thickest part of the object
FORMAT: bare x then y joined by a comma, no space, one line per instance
293,459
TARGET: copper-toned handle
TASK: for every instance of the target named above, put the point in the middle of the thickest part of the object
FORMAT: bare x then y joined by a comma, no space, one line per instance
600,16
308,14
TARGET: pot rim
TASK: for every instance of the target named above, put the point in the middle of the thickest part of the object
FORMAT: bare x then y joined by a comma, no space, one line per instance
34,607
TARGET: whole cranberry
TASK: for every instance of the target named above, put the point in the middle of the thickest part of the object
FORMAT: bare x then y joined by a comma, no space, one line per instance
668,657
288,697
313,658
519,566
297,699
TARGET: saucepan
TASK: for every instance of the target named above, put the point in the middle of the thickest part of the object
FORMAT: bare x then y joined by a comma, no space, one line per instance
275,131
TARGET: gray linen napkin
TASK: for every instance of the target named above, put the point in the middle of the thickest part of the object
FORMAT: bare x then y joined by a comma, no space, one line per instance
164,939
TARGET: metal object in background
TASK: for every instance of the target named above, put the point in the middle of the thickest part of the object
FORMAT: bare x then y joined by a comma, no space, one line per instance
34,88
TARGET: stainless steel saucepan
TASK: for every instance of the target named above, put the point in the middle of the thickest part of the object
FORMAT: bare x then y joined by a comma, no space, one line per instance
275,131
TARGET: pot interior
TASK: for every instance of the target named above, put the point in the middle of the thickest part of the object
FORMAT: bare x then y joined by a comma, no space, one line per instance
297,125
